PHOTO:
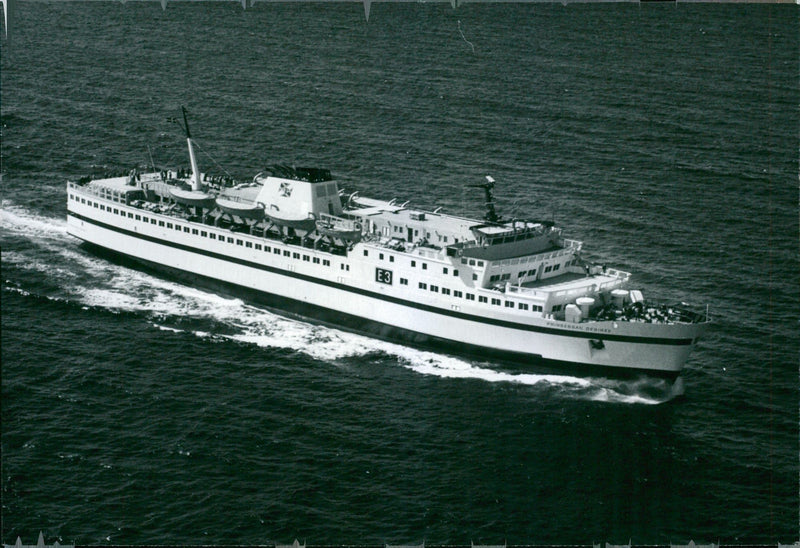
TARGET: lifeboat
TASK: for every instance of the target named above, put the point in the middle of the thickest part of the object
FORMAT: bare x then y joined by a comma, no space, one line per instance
192,198
336,227
307,223
242,210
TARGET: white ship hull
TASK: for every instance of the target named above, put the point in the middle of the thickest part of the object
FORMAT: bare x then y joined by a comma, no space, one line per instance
344,292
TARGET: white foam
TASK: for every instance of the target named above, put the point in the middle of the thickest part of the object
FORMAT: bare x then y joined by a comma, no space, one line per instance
611,396
21,221
331,344
165,328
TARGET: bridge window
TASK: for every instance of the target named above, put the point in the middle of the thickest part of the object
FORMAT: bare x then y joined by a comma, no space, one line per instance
496,302
482,299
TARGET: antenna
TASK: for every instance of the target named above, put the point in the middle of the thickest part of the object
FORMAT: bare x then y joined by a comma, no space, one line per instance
185,122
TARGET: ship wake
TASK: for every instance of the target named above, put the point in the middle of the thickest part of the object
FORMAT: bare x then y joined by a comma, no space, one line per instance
42,246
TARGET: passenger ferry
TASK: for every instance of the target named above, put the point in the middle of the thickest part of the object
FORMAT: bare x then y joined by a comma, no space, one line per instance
292,240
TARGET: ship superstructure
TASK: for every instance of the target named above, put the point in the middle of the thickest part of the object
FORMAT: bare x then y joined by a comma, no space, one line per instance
291,239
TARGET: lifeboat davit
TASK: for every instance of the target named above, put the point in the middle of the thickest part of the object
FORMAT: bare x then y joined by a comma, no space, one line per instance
241,209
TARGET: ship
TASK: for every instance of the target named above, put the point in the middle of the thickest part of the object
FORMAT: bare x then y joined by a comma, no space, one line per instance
293,241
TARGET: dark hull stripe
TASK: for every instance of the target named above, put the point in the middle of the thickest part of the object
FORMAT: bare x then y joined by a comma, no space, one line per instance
395,300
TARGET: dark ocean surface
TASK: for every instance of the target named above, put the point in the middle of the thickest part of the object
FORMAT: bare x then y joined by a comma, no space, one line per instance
139,410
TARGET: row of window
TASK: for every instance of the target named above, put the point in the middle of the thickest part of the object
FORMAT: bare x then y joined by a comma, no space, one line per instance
522,274
445,270
211,235
529,258
380,256
105,193
499,277
471,262
471,297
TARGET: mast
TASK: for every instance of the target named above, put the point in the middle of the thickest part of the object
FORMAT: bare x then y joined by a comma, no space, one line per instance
192,159
490,215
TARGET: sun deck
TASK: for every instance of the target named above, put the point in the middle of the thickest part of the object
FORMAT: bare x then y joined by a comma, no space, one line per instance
570,285
573,280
